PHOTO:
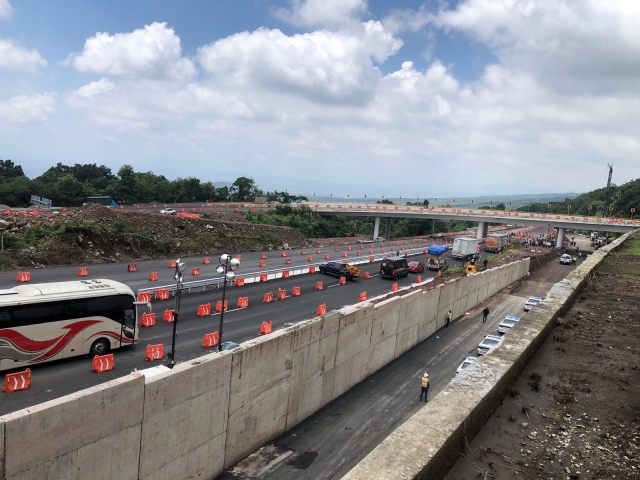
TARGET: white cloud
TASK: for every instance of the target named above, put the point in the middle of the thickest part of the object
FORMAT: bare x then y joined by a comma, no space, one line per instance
15,57
321,65
534,120
590,45
323,13
152,52
5,9
23,109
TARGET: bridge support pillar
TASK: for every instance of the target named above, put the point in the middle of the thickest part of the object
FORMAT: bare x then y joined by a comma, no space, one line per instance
482,230
376,228
560,238
387,230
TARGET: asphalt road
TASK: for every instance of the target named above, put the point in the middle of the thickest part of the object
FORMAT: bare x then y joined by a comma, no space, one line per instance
54,379
332,441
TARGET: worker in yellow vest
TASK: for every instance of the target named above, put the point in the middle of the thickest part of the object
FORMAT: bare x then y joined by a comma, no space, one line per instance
425,387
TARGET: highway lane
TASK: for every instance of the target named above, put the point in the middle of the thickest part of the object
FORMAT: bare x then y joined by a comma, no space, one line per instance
250,263
338,436
333,440
59,378
66,376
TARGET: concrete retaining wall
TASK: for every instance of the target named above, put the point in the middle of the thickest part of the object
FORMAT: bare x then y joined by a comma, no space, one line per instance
207,414
457,414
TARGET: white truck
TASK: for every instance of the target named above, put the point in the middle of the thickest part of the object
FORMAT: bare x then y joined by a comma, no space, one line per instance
464,247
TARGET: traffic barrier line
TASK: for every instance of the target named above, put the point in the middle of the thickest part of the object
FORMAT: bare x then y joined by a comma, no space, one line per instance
148,320
266,328
132,267
204,310
210,340
154,352
153,276
23,277
102,363
168,316
14,382
219,306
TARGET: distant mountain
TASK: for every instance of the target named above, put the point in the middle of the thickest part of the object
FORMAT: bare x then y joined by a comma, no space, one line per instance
516,200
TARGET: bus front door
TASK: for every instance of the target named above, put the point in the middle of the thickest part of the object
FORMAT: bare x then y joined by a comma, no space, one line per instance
128,330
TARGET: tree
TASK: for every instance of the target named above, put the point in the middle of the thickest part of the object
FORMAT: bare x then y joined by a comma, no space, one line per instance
9,170
500,206
244,190
68,192
16,192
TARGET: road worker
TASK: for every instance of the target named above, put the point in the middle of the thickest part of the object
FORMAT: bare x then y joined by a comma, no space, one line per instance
425,387
448,318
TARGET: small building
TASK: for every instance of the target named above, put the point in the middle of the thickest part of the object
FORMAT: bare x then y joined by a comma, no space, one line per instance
101,200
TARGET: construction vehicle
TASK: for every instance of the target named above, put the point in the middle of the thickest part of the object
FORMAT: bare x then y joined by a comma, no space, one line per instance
496,243
340,270
437,257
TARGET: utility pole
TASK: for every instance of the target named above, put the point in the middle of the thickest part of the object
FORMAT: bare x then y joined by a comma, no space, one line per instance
606,195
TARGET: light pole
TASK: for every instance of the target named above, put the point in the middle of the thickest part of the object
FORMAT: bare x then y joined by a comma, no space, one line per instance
633,210
180,268
226,268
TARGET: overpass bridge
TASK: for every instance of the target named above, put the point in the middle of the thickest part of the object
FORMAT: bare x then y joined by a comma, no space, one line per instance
483,217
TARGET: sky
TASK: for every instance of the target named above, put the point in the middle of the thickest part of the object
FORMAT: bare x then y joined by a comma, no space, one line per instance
349,97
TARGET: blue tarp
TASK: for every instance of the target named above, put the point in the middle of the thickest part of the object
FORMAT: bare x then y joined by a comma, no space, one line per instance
437,249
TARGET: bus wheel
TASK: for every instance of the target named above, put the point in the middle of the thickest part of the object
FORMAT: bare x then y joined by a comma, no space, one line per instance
99,347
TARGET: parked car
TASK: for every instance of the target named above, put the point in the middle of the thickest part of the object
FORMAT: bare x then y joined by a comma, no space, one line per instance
340,270
488,344
565,259
394,268
168,211
466,362
415,267
507,324
531,302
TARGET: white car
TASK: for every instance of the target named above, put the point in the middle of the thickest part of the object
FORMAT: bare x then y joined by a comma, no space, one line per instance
531,302
565,259
467,361
507,324
168,211
489,343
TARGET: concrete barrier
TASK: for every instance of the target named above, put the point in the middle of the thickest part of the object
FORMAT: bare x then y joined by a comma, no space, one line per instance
185,419
314,354
456,414
259,393
207,414
94,433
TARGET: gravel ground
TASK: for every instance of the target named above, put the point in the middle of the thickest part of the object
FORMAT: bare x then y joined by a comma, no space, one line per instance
575,411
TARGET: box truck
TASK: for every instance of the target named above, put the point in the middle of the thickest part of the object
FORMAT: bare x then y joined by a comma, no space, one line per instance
464,247
496,243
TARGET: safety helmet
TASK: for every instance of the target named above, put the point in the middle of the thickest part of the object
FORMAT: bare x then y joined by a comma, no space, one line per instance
426,375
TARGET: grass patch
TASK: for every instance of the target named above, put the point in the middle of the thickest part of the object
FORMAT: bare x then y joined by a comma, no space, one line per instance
5,261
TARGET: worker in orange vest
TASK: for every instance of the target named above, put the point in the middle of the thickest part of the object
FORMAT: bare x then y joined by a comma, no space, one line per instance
425,387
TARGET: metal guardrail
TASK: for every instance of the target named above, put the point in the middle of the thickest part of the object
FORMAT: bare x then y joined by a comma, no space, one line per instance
272,274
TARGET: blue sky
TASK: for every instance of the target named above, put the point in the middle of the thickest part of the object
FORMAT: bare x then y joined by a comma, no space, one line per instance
315,95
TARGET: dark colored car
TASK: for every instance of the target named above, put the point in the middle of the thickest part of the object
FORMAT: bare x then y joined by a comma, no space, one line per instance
416,267
336,269
394,268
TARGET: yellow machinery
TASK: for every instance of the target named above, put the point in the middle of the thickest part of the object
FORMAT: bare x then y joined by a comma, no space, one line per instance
355,271
471,269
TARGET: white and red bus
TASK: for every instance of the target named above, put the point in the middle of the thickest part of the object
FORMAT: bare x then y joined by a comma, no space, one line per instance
50,321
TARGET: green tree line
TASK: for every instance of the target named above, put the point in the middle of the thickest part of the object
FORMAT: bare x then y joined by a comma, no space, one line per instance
70,186
622,199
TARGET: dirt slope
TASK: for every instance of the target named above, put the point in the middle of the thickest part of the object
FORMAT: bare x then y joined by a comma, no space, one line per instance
95,234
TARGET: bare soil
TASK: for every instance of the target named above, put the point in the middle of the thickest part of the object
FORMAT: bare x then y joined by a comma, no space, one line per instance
97,234
574,413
